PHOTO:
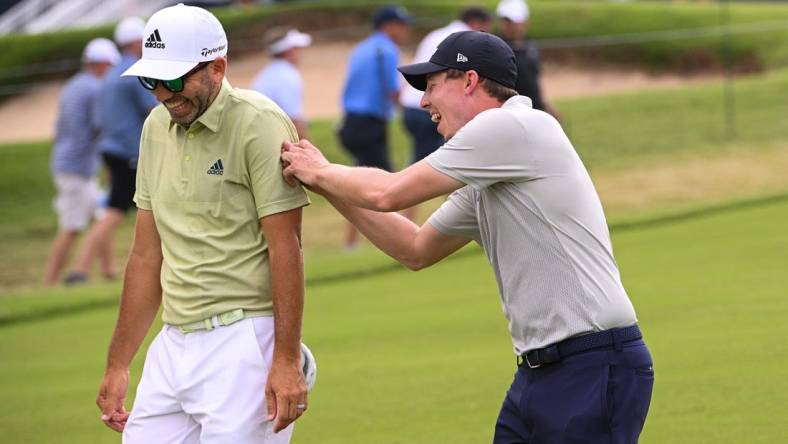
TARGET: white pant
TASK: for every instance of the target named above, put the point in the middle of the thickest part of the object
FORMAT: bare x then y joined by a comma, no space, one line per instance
206,387
76,201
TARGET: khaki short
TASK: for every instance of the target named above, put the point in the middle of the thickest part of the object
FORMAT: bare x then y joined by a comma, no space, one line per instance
76,201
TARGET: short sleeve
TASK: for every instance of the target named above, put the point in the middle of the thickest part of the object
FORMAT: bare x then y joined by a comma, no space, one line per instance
142,194
289,97
262,153
491,148
457,216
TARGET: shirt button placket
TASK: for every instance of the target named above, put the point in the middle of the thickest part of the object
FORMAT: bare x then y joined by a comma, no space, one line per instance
186,163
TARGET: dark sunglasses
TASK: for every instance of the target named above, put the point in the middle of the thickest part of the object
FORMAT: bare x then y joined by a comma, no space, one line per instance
174,85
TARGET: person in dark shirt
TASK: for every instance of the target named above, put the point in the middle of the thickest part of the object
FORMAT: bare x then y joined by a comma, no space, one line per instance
514,15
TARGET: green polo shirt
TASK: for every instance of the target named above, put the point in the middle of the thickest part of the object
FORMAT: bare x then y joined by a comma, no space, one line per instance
208,186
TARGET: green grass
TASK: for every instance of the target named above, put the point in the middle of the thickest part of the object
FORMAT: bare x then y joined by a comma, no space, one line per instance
626,127
425,357
608,132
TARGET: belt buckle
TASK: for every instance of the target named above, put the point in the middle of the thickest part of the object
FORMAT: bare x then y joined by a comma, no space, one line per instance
529,362
231,317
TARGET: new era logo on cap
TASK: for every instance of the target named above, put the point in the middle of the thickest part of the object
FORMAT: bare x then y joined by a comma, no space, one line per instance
154,41
461,58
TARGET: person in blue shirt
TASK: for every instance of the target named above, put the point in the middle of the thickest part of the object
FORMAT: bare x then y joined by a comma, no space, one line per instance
371,92
74,155
123,107
280,81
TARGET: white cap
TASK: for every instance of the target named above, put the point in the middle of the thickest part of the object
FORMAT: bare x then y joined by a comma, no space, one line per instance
293,39
176,39
101,50
514,10
129,30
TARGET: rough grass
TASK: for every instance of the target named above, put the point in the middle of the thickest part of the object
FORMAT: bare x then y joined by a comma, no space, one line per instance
425,357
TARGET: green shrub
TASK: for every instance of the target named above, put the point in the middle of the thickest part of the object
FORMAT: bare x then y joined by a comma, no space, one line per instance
550,20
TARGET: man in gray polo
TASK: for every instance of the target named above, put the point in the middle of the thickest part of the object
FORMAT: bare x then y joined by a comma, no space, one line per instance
521,191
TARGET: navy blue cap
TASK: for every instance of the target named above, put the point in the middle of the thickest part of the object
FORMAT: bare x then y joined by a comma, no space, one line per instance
390,13
484,53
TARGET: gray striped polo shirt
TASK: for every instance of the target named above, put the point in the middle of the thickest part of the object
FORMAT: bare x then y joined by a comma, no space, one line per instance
530,203
76,132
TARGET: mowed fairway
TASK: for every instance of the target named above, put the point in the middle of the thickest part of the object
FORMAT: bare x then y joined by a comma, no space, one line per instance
425,357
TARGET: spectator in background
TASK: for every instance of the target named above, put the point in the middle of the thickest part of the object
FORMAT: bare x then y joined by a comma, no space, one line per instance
371,91
74,155
514,15
423,132
280,80
123,107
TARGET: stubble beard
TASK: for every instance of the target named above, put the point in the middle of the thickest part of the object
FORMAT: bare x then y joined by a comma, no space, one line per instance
200,102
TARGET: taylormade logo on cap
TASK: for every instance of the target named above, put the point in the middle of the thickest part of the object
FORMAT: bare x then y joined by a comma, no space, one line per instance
178,38
206,52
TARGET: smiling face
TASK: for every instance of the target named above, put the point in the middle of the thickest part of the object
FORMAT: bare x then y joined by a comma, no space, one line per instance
199,91
444,99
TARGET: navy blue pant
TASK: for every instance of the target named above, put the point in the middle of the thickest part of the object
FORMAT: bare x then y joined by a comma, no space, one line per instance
423,132
599,396
366,139
122,179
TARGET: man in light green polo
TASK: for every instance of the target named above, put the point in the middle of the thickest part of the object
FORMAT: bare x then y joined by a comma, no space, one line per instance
217,243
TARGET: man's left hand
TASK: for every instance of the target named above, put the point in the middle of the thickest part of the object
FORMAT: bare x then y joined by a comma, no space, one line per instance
301,162
285,394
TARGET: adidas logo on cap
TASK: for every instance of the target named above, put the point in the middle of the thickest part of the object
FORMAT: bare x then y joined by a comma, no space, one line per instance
217,169
154,41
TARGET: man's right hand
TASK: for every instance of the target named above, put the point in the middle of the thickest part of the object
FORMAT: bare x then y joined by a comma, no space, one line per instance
111,397
301,162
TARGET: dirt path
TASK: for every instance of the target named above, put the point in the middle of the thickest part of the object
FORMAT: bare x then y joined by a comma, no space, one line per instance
32,116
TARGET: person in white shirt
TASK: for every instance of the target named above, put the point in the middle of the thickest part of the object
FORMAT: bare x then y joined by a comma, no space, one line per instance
280,80
424,137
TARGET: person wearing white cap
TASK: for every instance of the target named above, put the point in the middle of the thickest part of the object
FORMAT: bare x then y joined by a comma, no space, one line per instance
74,155
514,20
217,243
280,80
122,106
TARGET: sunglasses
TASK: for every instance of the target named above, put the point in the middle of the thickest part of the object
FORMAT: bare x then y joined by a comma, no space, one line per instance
174,85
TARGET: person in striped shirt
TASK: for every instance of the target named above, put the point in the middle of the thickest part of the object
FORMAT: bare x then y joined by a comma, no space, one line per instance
75,158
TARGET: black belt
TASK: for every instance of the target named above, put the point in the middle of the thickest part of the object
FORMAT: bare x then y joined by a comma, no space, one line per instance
568,347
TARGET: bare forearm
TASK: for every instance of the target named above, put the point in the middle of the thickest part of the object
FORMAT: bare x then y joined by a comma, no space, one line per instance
360,187
139,304
287,286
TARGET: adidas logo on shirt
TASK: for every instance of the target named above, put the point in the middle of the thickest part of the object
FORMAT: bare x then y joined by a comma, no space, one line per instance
154,41
461,57
217,169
